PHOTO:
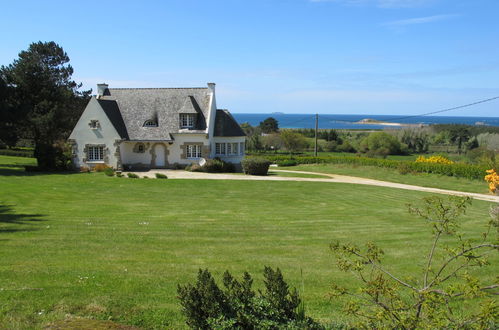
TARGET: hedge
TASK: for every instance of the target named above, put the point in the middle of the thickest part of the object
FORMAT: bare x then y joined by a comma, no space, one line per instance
255,165
17,153
457,169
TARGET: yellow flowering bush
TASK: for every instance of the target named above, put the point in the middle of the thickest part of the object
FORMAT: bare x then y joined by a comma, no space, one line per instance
493,179
434,159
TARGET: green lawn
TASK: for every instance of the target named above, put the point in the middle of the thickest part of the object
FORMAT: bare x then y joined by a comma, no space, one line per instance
393,175
116,248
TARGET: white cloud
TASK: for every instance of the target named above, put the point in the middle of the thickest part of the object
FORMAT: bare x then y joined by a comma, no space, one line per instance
420,20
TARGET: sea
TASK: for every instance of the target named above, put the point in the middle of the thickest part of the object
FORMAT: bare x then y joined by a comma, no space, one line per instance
337,121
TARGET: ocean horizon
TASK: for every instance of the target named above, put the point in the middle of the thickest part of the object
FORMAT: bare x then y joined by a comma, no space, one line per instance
348,121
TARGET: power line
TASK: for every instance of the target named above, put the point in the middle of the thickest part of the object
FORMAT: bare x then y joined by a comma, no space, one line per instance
448,109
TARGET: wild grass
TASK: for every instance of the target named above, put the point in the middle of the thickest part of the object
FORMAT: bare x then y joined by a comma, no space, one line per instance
115,249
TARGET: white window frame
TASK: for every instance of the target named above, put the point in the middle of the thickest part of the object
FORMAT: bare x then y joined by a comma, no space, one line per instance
193,151
187,120
241,148
220,148
95,153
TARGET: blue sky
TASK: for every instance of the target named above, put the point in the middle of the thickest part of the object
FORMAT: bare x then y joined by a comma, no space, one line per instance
293,56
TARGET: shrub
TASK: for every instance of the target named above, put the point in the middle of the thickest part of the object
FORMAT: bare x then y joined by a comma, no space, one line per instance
380,143
145,177
109,171
456,169
119,174
237,306
161,176
16,152
287,162
84,169
132,175
440,294
100,167
434,159
492,179
213,166
177,166
255,166
404,168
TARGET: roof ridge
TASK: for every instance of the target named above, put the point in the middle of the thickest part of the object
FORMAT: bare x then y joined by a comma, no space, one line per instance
121,88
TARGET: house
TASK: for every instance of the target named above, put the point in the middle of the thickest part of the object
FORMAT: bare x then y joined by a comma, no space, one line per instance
141,128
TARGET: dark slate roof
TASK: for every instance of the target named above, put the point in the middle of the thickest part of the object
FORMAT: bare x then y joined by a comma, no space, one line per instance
226,125
113,113
163,105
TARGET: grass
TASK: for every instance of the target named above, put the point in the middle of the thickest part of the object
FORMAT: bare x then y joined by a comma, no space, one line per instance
393,175
296,175
110,248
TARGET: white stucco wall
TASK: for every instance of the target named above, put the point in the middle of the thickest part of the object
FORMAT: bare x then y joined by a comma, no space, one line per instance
235,159
175,150
128,156
83,135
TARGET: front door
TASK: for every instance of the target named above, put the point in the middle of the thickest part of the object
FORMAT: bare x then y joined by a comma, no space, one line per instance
159,151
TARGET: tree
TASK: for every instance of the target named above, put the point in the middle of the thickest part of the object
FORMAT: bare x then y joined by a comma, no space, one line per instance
46,101
8,134
459,134
292,141
269,125
380,143
443,295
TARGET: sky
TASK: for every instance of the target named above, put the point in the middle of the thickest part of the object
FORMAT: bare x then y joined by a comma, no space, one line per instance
402,57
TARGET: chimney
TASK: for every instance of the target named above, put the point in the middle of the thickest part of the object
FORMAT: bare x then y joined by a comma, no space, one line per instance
212,87
101,89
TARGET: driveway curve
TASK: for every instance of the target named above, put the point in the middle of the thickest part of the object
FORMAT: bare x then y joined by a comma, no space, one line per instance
180,174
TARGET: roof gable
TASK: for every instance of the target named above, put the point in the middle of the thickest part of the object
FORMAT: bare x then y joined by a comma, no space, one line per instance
226,125
112,112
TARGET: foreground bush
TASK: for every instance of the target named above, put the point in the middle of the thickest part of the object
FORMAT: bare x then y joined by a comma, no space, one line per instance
237,306
161,176
255,166
447,293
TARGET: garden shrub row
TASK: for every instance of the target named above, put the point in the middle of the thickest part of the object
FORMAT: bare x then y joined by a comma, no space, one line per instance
16,153
456,169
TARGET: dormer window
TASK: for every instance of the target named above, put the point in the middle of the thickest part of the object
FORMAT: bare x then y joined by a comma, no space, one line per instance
94,124
187,120
150,123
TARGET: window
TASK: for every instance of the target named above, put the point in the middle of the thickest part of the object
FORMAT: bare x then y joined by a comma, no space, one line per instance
193,151
94,124
220,148
241,148
187,120
150,123
230,149
95,153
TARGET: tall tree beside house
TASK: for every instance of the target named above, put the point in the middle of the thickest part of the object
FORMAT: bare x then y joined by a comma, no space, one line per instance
8,134
269,125
45,101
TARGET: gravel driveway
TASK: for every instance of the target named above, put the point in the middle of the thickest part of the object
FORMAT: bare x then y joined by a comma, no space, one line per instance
331,178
